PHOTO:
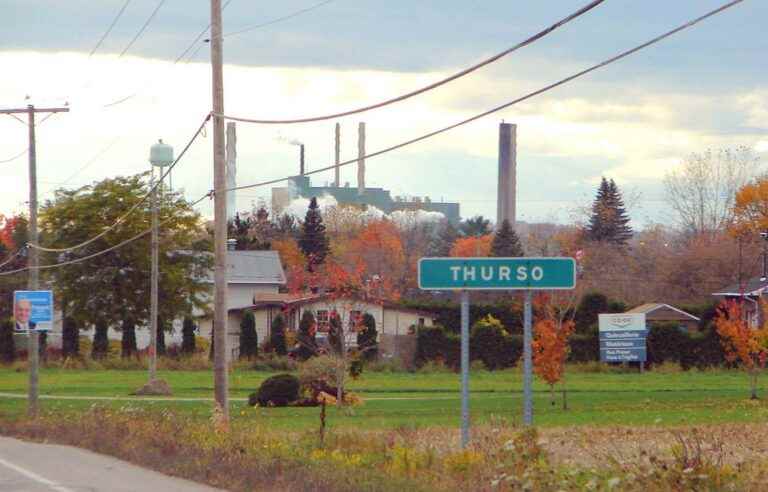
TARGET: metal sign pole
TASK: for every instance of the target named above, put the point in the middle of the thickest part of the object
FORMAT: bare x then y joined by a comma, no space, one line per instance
527,361
464,368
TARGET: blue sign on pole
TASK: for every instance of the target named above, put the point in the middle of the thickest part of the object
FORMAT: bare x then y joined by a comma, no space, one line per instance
497,273
33,310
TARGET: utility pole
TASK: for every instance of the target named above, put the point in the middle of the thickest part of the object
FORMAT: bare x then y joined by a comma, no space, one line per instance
220,314
33,259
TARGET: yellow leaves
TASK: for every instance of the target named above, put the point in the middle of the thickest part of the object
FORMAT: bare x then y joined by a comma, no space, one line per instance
751,207
463,461
742,342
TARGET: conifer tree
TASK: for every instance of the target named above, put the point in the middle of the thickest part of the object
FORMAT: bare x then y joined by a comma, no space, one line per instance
306,336
609,221
313,241
7,345
161,326
505,242
188,336
440,245
277,335
128,341
249,339
70,338
367,337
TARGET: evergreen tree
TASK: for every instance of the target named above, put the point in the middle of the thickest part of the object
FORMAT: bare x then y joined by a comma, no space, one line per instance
249,339
42,346
100,347
440,245
505,242
367,337
306,336
609,221
161,326
7,344
335,333
70,338
592,304
128,343
313,241
476,226
277,336
188,336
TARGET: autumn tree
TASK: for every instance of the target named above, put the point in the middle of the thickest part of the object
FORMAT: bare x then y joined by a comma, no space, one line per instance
742,342
608,221
472,246
313,242
379,250
505,242
550,344
701,191
750,212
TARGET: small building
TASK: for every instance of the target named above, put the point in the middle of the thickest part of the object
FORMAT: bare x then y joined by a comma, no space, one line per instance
751,291
394,323
664,313
249,274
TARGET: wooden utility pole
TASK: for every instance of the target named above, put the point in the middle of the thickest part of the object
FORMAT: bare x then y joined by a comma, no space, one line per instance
153,283
220,382
33,259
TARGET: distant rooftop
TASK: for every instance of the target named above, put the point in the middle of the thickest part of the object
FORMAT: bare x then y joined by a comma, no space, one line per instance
253,267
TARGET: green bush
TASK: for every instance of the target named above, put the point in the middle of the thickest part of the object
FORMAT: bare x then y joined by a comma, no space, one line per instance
488,343
188,336
249,339
307,346
277,336
367,338
278,391
7,345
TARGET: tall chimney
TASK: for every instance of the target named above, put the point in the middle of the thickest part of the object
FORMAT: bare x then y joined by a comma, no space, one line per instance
301,159
337,169
507,197
361,158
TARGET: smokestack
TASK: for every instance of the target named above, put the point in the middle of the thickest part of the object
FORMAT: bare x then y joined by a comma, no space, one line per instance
337,169
361,158
506,197
301,159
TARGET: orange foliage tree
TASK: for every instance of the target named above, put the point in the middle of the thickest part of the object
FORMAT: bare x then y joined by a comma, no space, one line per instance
751,207
472,246
290,254
550,342
379,250
741,341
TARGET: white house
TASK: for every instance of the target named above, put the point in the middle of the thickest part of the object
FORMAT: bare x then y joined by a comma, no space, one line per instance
249,274
393,322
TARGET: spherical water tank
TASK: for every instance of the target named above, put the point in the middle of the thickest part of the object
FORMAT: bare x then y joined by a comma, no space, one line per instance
161,154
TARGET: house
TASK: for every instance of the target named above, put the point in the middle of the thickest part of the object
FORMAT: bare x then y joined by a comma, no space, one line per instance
751,291
249,274
396,325
664,313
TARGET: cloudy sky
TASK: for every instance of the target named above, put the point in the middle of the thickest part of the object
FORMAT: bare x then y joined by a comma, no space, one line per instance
633,121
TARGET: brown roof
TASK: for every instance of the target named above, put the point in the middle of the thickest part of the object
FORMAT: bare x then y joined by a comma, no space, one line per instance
653,306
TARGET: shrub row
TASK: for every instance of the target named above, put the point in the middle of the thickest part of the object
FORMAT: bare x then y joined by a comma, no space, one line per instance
499,350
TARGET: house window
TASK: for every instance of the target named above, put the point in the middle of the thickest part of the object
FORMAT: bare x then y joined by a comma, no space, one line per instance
322,320
355,319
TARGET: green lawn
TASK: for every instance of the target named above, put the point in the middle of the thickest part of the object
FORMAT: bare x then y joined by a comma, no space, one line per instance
403,399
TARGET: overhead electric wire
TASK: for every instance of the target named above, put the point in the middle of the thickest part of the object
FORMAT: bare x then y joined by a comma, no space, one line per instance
11,159
143,28
134,207
98,253
92,160
279,19
109,29
198,37
530,95
435,85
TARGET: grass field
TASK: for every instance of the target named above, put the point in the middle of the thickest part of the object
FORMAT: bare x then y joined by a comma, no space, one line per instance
394,400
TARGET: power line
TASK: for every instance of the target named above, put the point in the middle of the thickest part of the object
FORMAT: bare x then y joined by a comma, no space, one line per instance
102,252
91,161
134,207
109,29
530,95
143,28
279,19
11,159
434,85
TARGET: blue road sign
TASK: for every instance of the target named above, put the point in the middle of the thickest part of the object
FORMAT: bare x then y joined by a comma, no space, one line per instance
623,337
623,355
497,273
33,310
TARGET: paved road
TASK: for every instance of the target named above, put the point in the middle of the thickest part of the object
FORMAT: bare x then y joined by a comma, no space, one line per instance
31,467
